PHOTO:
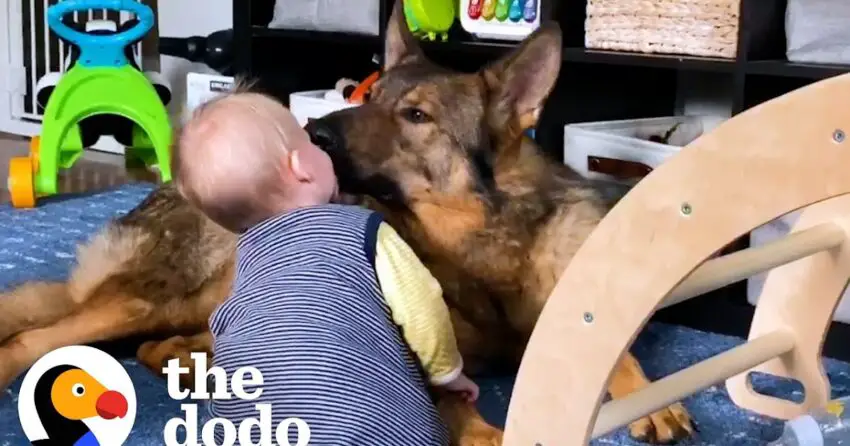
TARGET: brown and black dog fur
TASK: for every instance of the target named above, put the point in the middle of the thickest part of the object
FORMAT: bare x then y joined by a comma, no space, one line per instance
442,155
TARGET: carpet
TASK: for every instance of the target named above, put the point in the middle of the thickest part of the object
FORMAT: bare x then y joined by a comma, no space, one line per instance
38,244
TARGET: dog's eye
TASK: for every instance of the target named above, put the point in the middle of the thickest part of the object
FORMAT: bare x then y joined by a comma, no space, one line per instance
415,115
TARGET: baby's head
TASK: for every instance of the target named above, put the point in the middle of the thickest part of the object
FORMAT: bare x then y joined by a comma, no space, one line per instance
242,158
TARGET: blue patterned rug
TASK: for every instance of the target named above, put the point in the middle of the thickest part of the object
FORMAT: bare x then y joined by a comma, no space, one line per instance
39,244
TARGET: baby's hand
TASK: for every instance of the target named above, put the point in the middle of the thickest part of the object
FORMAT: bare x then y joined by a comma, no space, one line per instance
462,384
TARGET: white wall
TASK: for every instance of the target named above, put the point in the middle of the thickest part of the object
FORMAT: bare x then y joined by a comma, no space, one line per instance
186,18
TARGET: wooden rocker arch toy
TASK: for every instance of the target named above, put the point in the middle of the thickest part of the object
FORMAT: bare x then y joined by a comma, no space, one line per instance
102,84
655,249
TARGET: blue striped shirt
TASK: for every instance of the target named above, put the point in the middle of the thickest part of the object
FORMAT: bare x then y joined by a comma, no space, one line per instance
306,309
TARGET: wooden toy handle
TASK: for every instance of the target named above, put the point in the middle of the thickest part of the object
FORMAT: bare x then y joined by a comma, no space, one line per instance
681,384
802,297
726,270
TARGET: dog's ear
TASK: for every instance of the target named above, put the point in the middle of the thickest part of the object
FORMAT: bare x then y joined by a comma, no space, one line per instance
521,81
400,46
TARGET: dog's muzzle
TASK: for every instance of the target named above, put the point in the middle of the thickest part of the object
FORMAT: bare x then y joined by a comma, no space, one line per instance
325,134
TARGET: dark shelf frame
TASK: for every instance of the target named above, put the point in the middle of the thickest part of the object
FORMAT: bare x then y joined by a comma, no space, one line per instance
594,85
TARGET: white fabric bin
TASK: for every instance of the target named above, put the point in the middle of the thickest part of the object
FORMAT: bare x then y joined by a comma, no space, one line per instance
818,31
626,140
350,16
312,104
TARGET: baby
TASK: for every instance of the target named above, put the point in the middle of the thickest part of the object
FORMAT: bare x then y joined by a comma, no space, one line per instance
328,302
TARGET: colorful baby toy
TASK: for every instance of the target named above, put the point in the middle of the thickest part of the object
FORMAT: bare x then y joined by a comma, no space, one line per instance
500,19
103,83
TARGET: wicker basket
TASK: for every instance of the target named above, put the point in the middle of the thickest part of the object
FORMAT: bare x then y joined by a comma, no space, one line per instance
691,27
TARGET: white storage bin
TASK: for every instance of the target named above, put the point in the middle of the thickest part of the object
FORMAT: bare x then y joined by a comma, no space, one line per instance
818,31
350,16
201,88
771,231
626,140
312,104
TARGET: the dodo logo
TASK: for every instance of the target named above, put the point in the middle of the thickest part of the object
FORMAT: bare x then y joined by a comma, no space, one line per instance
77,396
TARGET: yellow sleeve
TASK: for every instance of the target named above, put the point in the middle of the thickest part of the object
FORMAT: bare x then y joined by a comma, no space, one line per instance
416,302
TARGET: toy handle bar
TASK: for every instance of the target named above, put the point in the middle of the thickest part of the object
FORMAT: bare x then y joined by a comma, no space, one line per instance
101,50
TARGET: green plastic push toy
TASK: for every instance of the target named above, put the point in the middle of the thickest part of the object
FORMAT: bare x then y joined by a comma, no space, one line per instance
430,18
102,81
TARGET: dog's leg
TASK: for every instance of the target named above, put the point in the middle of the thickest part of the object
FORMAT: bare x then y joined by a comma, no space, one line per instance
480,353
155,354
665,426
188,315
466,426
110,318
33,305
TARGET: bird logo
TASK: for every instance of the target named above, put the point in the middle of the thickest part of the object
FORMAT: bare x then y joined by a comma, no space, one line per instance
77,396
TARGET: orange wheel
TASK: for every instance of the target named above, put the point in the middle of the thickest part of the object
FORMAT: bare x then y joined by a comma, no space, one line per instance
20,182
35,145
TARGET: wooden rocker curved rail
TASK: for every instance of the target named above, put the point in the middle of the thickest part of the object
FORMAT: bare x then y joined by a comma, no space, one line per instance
651,251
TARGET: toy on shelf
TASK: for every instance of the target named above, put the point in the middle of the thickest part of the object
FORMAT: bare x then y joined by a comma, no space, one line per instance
350,91
342,90
500,19
361,92
102,92
428,19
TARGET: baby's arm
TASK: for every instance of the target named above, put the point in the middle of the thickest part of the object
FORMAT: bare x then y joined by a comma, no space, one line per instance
416,301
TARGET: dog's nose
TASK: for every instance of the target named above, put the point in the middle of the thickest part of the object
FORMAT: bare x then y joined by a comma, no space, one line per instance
323,134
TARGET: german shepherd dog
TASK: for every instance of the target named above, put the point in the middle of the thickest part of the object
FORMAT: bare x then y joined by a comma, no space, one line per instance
442,155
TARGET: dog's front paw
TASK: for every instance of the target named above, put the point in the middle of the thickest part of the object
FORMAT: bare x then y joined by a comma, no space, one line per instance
663,427
15,357
6,379
484,435
8,371
155,356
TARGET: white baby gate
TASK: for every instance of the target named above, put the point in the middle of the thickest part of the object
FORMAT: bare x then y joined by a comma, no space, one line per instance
28,51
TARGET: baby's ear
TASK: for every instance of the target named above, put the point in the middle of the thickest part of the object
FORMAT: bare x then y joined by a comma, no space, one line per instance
299,168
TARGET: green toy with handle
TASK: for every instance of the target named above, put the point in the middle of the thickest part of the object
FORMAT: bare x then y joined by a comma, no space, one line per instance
101,81
430,18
